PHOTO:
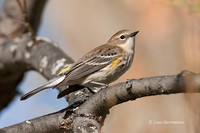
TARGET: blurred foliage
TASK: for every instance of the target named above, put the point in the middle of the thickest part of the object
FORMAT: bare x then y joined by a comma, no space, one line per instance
192,6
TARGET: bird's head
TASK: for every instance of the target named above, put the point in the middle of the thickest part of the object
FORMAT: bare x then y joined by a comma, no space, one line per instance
124,39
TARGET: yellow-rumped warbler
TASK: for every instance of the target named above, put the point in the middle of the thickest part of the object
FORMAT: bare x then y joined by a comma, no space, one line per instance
98,67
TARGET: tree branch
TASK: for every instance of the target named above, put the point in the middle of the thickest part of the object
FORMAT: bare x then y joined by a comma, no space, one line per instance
12,25
89,116
45,124
20,55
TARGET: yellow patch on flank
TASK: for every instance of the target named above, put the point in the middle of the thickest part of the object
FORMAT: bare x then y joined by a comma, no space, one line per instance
115,62
65,70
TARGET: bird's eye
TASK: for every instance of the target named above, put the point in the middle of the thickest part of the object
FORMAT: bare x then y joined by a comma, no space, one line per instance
122,37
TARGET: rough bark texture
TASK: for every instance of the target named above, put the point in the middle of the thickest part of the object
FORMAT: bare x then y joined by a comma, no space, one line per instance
48,123
89,116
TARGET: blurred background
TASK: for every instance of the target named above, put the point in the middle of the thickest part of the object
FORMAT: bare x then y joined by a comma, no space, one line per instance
168,42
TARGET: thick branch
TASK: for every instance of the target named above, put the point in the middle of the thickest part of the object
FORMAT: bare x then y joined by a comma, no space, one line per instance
45,124
136,88
98,105
12,25
18,54
90,115
21,55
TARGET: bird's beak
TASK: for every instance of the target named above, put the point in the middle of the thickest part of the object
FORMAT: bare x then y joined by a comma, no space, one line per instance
133,34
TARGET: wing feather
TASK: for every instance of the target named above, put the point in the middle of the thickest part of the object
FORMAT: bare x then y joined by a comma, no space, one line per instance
92,62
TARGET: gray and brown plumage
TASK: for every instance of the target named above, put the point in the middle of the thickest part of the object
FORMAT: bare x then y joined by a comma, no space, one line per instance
96,68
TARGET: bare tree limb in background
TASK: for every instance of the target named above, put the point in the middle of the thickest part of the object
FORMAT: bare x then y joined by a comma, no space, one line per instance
87,111
12,25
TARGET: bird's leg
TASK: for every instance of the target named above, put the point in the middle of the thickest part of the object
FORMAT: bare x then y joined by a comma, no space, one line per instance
93,92
97,89
99,83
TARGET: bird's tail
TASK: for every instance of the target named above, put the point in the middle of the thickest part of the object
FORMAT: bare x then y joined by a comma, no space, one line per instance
50,84
70,89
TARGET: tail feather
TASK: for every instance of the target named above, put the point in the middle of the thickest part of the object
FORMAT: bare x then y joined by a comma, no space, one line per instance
50,84
69,90
33,92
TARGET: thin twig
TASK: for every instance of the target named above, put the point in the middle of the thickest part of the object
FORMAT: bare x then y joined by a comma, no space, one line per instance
20,6
24,13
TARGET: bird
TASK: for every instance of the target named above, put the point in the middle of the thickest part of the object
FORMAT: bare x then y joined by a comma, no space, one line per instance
97,68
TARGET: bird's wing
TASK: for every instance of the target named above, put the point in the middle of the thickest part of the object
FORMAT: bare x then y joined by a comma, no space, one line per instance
93,61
